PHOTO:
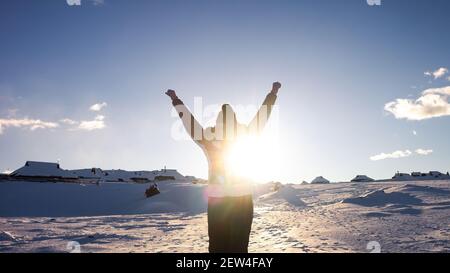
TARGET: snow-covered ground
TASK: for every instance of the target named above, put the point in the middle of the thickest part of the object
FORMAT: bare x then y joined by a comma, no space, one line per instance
116,217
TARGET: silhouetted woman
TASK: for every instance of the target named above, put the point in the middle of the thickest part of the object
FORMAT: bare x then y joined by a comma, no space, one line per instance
230,203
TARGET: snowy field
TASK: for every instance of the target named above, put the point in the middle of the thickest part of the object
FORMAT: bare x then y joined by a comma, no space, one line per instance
116,217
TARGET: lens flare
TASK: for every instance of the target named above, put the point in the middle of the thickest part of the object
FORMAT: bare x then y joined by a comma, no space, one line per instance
253,158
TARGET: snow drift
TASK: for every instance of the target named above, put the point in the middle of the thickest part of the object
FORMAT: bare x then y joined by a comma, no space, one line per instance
19,199
286,193
381,198
7,236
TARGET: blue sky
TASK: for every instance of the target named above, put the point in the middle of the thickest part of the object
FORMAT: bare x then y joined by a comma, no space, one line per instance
340,63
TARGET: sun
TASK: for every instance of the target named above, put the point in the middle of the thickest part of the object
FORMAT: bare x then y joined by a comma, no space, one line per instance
255,158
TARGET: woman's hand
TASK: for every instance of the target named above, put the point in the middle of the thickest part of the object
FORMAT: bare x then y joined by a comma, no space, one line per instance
171,93
275,87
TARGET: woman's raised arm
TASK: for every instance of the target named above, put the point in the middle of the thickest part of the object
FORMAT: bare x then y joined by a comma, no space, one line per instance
262,116
192,126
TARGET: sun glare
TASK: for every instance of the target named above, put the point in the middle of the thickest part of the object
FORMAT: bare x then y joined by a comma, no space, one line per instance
254,158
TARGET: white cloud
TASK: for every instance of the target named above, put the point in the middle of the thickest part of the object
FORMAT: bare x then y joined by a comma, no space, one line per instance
441,91
424,152
400,154
432,103
97,123
396,154
98,106
87,125
438,73
68,121
73,2
32,124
